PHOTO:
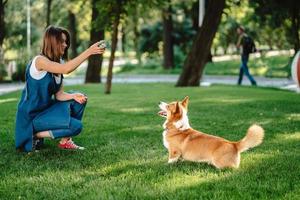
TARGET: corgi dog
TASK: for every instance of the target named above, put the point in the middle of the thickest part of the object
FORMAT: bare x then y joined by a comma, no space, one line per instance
184,142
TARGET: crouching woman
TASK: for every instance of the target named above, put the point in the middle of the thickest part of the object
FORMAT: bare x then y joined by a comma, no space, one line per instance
45,110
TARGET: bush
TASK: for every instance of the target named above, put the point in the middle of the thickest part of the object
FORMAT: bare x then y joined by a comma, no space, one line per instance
3,72
19,75
179,57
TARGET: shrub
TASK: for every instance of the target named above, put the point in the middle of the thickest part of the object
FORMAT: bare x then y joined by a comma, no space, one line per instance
3,72
19,75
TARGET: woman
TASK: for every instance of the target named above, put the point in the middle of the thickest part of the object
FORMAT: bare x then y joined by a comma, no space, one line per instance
45,110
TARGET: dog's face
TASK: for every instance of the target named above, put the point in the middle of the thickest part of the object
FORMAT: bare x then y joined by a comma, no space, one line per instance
175,111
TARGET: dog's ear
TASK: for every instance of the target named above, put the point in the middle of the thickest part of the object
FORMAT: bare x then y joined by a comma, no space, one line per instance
177,108
185,102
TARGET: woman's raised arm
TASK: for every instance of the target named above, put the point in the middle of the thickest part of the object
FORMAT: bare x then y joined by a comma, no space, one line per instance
44,64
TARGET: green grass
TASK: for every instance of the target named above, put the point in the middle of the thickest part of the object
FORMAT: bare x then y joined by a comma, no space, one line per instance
274,66
125,157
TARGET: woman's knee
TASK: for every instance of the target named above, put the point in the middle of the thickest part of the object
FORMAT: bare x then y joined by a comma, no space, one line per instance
78,106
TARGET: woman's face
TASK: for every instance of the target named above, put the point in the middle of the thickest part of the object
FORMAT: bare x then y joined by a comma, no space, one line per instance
63,44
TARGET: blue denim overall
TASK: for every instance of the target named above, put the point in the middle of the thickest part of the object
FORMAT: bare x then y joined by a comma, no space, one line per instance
39,111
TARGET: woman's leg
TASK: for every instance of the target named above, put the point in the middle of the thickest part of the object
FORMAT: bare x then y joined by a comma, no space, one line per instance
43,134
65,134
75,125
77,110
48,134
73,130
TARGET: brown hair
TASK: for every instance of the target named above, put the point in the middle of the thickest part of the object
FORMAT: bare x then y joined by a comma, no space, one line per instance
52,41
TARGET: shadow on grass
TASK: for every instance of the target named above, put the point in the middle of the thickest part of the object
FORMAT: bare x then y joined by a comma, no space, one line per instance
270,171
127,160
263,175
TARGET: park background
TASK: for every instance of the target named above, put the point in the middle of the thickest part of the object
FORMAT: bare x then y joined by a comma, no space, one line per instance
188,40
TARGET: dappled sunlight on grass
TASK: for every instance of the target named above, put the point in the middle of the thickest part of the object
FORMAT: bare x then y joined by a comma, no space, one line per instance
128,166
293,116
135,110
223,100
8,100
233,101
179,180
289,136
253,157
265,121
125,157
136,128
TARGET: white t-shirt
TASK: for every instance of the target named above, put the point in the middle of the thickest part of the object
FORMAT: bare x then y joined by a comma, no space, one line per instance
37,74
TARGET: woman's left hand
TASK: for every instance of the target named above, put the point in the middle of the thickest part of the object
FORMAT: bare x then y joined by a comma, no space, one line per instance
80,98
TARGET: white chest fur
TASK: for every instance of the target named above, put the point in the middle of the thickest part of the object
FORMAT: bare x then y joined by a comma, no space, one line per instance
166,144
183,123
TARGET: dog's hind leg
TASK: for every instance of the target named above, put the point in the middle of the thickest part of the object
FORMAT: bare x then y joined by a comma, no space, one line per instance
226,157
174,154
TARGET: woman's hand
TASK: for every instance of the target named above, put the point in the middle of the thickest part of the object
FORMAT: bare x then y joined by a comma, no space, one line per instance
95,49
80,98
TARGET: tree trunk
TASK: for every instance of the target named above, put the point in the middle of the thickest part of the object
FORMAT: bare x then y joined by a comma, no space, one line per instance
167,38
73,33
136,44
93,72
295,29
197,57
195,21
136,37
195,15
49,2
114,41
2,29
123,38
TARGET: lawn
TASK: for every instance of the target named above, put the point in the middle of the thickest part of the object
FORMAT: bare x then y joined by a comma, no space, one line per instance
125,157
274,66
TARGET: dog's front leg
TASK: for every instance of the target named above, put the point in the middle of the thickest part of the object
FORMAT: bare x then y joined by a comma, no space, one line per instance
174,155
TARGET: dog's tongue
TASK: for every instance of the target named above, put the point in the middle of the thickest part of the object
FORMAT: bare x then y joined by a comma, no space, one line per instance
161,113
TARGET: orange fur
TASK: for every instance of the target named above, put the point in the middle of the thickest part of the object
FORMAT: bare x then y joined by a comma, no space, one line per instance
184,142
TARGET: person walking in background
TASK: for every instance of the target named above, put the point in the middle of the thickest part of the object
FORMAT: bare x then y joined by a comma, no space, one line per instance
45,110
246,46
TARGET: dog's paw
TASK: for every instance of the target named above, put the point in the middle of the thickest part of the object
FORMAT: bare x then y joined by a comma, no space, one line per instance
172,160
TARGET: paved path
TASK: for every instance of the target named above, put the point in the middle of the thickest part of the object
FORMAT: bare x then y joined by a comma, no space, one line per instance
206,81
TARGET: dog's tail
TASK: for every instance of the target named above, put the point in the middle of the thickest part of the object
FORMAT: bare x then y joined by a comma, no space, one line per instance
253,138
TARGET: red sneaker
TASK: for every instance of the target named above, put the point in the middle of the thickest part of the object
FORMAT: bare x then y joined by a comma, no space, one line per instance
69,144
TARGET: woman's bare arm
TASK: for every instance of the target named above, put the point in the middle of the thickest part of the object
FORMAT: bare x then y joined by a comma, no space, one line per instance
44,64
64,96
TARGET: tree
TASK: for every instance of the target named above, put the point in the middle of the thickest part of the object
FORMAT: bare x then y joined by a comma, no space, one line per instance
117,10
2,35
49,2
137,34
197,57
2,29
138,16
93,74
276,13
73,34
167,37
